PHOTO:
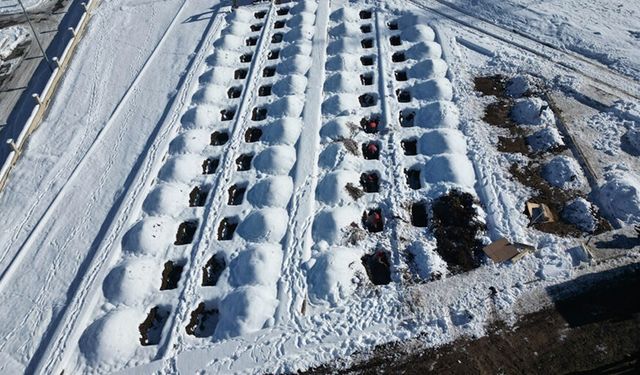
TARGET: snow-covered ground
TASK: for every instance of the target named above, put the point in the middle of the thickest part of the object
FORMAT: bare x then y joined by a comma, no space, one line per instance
212,190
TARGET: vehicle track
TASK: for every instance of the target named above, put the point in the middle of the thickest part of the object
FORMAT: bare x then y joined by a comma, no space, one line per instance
577,65
188,296
68,325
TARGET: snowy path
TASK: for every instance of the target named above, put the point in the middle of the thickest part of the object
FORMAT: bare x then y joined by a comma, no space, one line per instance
292,289
53,244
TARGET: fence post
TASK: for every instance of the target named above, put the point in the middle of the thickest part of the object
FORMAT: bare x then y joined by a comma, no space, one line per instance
13,145
55,60
37,98
73,31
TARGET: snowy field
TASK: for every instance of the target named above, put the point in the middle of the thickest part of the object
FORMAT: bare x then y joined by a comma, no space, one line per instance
275,187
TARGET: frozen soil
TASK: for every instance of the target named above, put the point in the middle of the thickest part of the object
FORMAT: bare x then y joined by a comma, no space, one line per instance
593,332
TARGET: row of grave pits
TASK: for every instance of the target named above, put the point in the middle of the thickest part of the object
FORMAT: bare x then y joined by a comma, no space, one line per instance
145,238
542,160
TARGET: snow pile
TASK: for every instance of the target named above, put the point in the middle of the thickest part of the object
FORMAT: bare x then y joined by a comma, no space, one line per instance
166,199
201,116
418,33
342,63
581,213
288,106
339,128
258,265
564,172
190,142
343,82
427,261
440,114
331,190
273,191
210,94
424,50
113,339
449,168
532,111
329,224
132,281
299,64
266,225
620,197
519,86
334,275
181,168
245,310
433,89
294,84
340,105
443,141
431,68
276,160
285,131
545,139
149,236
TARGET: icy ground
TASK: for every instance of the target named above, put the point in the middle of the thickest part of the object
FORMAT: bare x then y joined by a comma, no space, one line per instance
211,189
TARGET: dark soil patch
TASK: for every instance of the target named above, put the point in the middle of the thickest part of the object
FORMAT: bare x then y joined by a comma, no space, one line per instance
203,321
516,145
545,342
378,267
171,275
456,226
499,114
491,85
351,146
151,329
213,269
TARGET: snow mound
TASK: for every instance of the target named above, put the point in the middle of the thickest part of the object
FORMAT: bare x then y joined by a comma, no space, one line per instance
210,94
218,75
433,89
620,197
245,310
336,129
190,142
332,278
340,104
240,15
230,42
633,137
343,62
133,281
238,28
149,236
273,191
329,224
166,199
343,82
564,172
284,131
331,190
300,33
292,50
182,168
443,141
265,225
532,111
347,29
224,58
298,64
113,339
302,19
545,139
288,106
518,86
258,265
294,84
418,33
343,45
441,114
427,69
580,212
424,50
345,14
450,168
276,160
199,117
335,156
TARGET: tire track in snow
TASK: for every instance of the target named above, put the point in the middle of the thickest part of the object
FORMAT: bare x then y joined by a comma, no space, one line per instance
188,296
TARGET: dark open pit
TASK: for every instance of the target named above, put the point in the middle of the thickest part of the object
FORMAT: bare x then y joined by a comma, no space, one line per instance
371,150
401,75
378,267
198,197
259,114
236,194
367,60
410,146
406,118
419,215
413,178
186,231
367,100
252,135
151,328
395,40
227,228
370,182
203,321
372,220
210,165
240,74
171,275
219,138
243,162
213,269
